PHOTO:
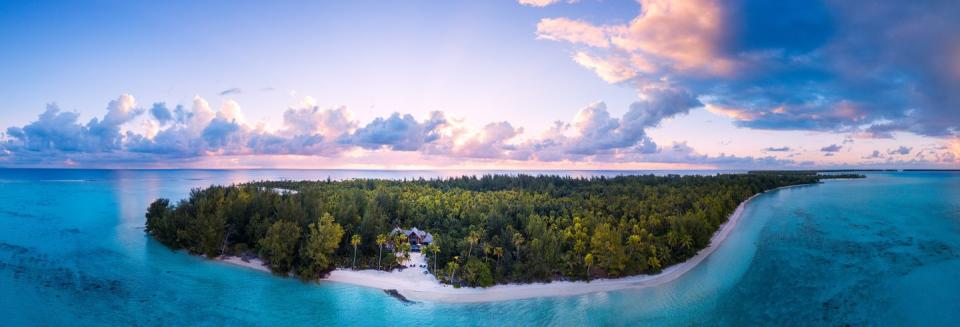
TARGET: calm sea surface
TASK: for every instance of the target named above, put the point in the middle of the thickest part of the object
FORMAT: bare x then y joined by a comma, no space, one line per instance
879,251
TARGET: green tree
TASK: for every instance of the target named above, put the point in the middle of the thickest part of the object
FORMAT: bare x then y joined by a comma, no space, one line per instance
160,222
477,273
279,246
576,234
324,238
607,246
543,226
207,231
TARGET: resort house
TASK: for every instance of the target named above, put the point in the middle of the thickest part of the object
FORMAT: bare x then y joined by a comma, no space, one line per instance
416,237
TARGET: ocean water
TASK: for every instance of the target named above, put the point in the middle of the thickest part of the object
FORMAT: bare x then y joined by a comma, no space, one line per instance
884,250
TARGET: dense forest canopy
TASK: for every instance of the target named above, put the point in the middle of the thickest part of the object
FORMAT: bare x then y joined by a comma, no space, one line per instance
487,230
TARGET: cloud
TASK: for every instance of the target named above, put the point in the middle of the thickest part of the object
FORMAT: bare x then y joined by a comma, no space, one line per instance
60,131
202,134
593,135
780,149
574,31
882,130
311,120
831,148
902,150
681,152
659,104
594,132
540,3
397,132
925,157
53,130
686,35
611,70
872,68
160,112
874,155
493,141
235,90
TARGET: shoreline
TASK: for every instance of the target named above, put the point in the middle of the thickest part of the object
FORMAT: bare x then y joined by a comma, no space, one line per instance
417,285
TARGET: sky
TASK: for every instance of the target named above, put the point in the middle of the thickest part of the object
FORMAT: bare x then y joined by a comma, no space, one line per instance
504,84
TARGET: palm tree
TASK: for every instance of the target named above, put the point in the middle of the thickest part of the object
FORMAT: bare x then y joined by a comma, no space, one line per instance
355,241
381,239
405,247
518,242
498,251
588,259
452,267
472,239
686,242
435,249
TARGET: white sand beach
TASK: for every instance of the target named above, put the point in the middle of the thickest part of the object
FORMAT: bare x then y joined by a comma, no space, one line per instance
417,285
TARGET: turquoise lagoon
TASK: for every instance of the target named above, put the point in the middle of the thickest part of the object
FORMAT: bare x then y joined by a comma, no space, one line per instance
884,250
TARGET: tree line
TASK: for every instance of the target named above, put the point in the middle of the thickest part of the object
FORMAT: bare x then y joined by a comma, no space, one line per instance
487,230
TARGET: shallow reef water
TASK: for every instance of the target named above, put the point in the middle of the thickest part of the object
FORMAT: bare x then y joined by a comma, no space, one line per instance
884,250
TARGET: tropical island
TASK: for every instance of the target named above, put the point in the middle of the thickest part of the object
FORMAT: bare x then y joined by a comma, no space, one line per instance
436,236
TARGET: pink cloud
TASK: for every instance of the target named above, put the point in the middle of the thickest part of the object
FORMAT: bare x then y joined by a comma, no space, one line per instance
613,69
687,33
677,35
573,31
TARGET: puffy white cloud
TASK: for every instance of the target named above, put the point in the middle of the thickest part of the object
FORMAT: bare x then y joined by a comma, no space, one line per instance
397,132
593,135
492,141
309,130
230,111
593,132
311,120
60,131
121,111
200,116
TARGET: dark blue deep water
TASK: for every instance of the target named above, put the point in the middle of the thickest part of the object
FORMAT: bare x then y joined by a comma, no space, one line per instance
884,250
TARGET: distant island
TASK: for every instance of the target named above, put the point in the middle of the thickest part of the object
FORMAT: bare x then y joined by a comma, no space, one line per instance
466,231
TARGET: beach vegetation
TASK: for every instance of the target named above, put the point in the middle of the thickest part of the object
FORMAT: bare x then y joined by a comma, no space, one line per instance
496,229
